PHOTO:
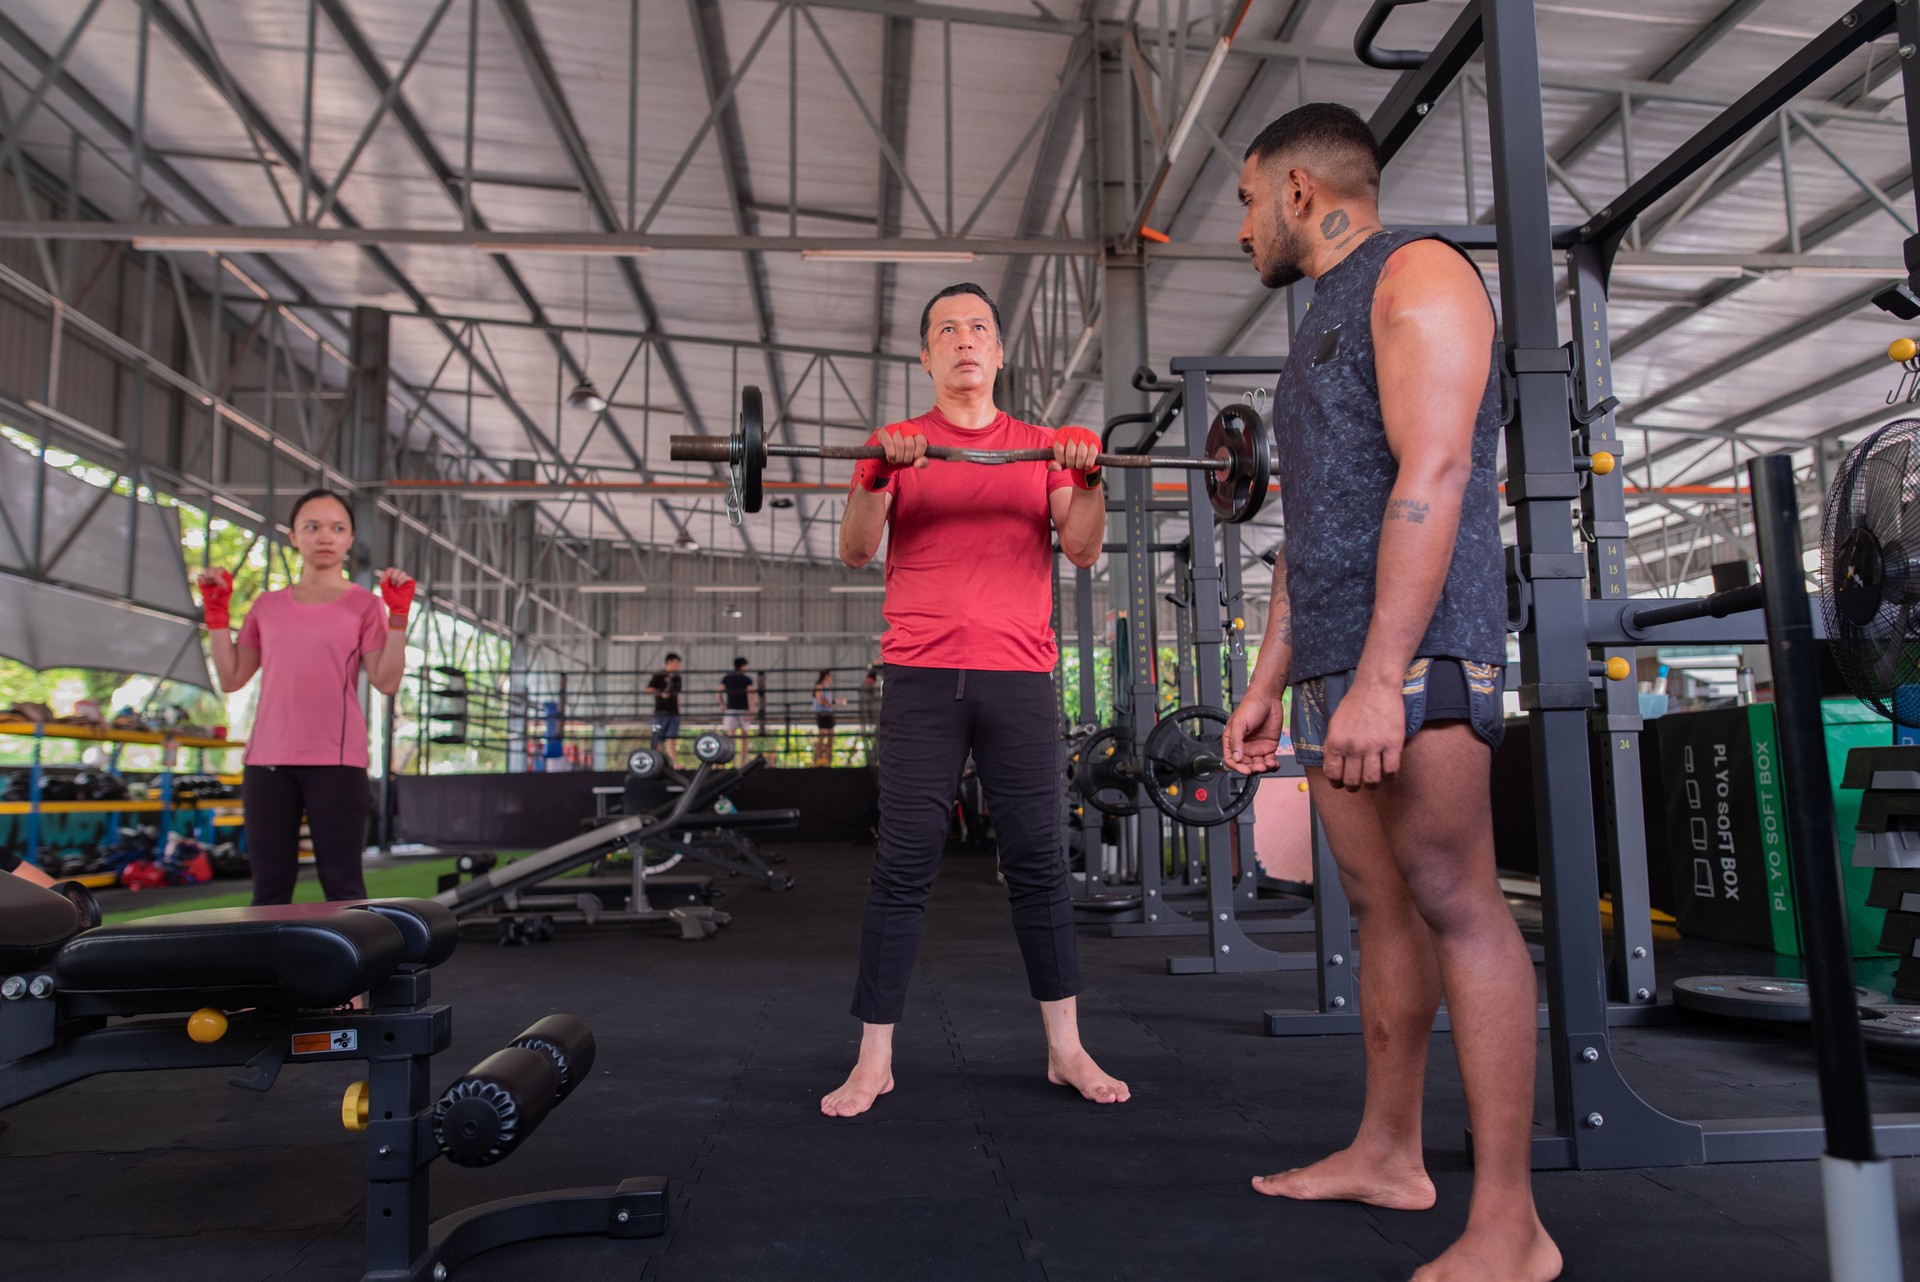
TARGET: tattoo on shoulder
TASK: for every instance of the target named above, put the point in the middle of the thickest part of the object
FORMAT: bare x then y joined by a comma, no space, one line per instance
1334,223
1412,511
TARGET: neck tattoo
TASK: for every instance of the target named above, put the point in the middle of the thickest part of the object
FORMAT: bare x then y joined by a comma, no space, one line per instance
1334,224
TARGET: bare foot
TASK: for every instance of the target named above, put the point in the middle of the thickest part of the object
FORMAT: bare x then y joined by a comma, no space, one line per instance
1349,1176
857,1094
1078,1070
1492,1255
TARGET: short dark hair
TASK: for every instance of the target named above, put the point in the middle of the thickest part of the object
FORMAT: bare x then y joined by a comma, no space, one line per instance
739,664
1332,134
954,291
672,657
310,496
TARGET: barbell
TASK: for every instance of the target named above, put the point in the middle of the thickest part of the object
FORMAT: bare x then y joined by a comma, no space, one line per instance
1238,463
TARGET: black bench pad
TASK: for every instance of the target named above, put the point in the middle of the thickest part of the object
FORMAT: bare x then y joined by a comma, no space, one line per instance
34,922
707,819
318,954
430,930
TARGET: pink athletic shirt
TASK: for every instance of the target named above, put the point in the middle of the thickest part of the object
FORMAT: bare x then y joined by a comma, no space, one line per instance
309,712
970,554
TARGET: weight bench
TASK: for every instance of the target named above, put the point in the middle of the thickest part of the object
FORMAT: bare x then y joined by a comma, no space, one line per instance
255,988
529,896
716,839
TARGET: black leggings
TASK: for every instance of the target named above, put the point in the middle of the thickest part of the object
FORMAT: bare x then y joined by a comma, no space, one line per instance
930,718
336,801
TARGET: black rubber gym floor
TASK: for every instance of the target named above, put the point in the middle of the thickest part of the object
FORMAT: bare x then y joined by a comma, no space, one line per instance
712,1057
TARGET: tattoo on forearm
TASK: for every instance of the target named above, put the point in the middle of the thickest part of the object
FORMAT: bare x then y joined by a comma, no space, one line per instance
1334,223
1279,609
1409,510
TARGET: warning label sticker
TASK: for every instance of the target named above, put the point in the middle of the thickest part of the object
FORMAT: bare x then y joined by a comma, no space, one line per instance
345,1039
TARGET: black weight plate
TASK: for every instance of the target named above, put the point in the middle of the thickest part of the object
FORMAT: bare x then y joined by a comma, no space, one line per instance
713,749
1893,1032
1893,1024
645,763
1239,434
753,448
1761,997
1102,785
1184,774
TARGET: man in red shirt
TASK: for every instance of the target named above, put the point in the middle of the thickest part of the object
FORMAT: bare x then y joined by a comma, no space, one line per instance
969,650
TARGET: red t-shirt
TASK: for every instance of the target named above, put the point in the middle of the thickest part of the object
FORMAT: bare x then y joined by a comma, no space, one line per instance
970,554
309,711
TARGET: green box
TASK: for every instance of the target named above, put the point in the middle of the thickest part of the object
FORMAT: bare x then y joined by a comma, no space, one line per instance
1849,724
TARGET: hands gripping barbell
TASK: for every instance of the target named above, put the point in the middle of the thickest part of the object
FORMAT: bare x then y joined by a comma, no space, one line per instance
1238,465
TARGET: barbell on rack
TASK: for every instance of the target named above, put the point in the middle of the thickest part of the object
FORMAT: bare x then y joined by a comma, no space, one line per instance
1238,464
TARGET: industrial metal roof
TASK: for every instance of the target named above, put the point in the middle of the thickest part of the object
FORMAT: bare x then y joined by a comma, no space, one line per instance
750,130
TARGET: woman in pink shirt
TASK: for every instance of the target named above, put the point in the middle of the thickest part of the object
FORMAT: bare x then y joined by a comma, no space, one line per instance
307,753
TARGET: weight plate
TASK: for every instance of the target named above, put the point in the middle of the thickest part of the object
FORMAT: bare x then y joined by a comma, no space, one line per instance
713,749
1893,1031
1103,783
645,763
1239,434
1185,776
753,448
1761,997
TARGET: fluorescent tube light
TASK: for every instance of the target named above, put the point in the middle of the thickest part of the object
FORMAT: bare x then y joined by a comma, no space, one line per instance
887,255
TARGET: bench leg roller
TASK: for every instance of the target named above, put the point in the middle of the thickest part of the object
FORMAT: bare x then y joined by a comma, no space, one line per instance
488,1113
568,1043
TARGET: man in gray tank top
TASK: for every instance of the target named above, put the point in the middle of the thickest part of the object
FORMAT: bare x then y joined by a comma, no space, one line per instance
1389,622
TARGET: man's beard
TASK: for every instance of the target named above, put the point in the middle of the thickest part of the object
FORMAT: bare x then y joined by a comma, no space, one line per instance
1285,267
1281,275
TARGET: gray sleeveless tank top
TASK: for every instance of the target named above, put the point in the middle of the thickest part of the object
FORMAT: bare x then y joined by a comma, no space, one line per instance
1336,473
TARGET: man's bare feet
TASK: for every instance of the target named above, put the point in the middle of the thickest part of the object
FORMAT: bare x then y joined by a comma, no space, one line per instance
1350,1176
857,1094
1077,1069
1494,1255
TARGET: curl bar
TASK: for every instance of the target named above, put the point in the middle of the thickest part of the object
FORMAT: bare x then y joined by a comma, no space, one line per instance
1238,466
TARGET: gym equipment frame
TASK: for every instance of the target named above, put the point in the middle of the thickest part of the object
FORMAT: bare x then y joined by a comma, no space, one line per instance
1571,605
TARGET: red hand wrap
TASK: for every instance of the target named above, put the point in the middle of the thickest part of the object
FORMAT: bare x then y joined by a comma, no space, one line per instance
1082,477
215,600
398,597
874,473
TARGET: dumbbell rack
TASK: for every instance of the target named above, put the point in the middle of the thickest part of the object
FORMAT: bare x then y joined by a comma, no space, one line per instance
34,807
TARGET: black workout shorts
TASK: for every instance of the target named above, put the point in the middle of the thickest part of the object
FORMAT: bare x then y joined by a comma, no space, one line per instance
1437,689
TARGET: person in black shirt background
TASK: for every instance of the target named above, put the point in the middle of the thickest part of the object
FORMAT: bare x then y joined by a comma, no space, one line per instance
736,706
665,688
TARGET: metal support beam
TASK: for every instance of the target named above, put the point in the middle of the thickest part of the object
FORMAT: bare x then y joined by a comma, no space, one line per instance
365,443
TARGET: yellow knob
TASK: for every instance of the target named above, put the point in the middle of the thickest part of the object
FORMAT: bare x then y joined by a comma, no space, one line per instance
1239,625
1173,790
1303,785
206,1026
1603,463
356,1107
1902,350
1618,669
